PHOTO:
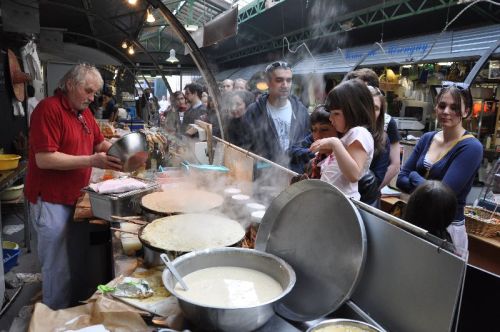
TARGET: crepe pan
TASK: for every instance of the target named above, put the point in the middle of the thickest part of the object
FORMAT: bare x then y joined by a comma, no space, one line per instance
183,201
315,228
175,253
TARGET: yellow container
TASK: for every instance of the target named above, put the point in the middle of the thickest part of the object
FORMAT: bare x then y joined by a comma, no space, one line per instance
9,161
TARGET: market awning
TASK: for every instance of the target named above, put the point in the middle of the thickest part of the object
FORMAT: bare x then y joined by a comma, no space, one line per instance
245,73
449,46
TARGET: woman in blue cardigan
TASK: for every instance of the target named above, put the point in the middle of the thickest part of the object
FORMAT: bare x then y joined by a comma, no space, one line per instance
452,156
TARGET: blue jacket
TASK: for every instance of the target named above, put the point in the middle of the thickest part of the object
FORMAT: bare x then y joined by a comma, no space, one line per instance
263,137
456,169
300,154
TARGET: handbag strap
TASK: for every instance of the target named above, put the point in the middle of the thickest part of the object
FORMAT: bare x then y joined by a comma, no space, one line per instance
441,156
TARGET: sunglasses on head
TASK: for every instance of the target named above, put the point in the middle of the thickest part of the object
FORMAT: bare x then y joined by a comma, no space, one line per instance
458,85
277,64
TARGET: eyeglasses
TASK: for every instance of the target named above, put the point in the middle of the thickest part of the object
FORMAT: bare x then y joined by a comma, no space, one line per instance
278,64
83,122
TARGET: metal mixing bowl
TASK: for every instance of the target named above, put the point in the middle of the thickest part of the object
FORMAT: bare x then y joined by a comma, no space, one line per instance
233,319
343,322
132,149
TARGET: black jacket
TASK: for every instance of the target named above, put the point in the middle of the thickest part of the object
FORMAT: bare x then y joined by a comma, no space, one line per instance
262,137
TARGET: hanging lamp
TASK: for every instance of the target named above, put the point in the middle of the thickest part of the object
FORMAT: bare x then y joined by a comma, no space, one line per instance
172,58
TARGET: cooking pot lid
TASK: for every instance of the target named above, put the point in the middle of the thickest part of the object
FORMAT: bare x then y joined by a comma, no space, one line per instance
315,228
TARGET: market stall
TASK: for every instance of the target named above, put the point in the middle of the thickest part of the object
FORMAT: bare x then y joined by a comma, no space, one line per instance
351,261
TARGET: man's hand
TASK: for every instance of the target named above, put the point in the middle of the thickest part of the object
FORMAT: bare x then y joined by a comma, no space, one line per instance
102,160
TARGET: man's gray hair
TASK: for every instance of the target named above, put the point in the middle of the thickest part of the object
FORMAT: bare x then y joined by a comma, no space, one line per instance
77,75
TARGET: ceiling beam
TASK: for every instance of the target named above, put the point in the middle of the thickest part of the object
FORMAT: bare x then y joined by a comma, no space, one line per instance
253,9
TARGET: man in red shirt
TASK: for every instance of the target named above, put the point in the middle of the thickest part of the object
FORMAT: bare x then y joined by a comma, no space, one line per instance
64,144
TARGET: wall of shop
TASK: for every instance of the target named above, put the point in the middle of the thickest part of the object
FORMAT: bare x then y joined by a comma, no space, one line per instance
10,126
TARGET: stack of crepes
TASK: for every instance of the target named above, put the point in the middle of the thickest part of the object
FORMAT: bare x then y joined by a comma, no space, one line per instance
117,186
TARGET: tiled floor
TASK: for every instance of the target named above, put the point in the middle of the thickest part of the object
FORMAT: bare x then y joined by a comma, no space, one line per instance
24,277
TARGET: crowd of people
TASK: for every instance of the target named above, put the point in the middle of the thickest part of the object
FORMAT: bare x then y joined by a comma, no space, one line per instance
352,143
349,142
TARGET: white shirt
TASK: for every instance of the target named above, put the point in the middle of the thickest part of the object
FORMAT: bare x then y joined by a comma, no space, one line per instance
282,117
330,170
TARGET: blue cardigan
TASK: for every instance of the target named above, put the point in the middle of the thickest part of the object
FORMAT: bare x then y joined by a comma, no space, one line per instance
456,169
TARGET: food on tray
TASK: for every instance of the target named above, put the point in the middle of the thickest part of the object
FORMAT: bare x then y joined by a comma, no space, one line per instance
184,201
116,186
188,232
229,287
107,129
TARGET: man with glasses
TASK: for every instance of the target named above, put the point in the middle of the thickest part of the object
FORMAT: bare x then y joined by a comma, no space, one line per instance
197,111
277,120
64,144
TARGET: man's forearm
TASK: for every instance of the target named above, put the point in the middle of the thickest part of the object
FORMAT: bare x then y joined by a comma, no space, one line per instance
61,161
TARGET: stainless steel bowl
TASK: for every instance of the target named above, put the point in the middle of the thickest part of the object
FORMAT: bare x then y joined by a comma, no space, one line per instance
132,149
234,319
343,322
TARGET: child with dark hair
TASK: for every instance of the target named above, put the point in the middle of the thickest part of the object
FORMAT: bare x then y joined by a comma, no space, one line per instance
352,113
300,154
432,207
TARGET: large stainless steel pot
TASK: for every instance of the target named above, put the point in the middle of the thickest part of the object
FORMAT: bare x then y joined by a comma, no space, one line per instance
234,319
338,324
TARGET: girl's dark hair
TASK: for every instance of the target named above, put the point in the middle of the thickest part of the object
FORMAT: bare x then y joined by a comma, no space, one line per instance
432,206
459,95
356,102
379,133
319,115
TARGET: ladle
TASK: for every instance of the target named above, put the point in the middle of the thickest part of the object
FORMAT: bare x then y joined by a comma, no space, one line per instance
170,266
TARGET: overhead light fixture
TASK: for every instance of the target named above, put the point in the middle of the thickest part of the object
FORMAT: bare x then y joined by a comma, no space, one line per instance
191,27
406,66
124,44
132,2
172,58
445,63
131,50
150,18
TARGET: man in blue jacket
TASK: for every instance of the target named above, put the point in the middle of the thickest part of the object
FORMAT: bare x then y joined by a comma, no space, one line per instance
277,120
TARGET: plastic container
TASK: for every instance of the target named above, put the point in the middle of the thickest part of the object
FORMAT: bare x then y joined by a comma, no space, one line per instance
11,253
12,193
9,161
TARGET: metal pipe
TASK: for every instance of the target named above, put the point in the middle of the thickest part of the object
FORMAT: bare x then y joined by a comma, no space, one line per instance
256,156
196,54
420,232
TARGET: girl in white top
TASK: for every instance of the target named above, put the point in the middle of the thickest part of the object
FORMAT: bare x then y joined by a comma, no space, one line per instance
352,114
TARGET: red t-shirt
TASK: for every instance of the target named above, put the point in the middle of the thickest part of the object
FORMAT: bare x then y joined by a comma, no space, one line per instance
55,127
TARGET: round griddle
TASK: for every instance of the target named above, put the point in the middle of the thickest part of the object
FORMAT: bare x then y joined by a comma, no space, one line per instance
181,201
315,228
200,216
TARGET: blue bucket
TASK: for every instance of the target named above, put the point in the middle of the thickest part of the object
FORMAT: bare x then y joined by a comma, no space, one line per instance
11,253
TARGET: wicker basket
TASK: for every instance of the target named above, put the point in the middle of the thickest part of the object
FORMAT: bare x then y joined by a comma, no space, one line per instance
480,221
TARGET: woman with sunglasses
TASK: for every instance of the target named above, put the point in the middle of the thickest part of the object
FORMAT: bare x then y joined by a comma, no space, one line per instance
451,155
